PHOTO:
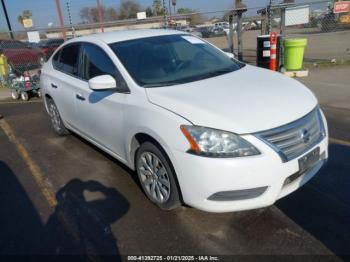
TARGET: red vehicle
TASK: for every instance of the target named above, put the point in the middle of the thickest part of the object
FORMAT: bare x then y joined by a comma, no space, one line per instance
21,57
50,45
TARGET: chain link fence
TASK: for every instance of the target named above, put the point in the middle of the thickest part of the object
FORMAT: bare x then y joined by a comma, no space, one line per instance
328,35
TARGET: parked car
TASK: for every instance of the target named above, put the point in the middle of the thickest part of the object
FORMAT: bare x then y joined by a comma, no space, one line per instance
197,126
212,31
222,24
219,31
21,57
205,31
32,44
192,30
50,45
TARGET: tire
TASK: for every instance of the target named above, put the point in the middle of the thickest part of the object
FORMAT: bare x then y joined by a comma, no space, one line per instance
41,60
56,119
157,177
14,94
24,96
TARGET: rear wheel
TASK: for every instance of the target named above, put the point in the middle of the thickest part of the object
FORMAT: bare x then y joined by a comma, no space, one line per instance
56,120
14,94
157,177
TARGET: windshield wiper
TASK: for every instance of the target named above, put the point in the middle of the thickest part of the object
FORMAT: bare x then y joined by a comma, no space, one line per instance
160,84
190,79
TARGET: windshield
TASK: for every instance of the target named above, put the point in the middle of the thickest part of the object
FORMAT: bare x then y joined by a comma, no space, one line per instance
172,59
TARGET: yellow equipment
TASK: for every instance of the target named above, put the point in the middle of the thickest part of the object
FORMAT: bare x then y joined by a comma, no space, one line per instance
4,67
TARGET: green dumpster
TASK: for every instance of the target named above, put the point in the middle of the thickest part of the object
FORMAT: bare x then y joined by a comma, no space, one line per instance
294,53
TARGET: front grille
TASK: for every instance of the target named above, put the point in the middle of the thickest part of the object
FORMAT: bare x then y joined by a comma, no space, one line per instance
294,139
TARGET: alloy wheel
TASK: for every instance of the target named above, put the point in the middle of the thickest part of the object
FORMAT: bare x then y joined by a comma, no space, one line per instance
55,117
153,177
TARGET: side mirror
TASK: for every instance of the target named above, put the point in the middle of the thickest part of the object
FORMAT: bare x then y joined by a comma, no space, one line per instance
102,83
230,55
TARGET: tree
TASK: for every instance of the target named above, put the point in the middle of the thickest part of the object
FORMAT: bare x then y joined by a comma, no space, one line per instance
90,14
110,14
149,11
128,9
226,16
85,15
158,8
182,10
26,14
195,18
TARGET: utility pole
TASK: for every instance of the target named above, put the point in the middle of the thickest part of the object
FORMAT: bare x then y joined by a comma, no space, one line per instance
70,17
100,18
174,5
7,19
60,16
169,9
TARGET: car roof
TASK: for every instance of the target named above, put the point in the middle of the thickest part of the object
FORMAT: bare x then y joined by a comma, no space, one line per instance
124,35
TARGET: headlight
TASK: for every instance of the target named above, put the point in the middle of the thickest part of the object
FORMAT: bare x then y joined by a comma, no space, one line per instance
216,143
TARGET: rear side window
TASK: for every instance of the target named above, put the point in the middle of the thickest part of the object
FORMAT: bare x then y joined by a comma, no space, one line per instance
68,62
95,62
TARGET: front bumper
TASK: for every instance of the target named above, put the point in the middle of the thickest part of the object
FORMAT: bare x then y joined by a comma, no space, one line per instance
201,177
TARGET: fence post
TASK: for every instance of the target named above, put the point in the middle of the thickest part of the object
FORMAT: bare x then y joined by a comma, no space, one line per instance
282,31
230,35
239,13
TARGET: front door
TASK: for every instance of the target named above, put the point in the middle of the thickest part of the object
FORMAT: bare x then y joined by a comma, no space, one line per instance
100,113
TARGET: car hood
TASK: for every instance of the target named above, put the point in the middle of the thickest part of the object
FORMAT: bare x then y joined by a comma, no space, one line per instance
245,101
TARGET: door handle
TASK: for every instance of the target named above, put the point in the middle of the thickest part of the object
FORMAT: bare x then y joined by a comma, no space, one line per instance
80,97
53,85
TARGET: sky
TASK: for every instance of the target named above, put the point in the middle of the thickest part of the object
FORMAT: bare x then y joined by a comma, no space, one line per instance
44,11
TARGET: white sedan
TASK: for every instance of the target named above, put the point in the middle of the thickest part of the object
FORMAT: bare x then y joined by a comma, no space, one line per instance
198,127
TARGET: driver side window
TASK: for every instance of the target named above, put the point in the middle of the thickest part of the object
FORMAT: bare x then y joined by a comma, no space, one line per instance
95,62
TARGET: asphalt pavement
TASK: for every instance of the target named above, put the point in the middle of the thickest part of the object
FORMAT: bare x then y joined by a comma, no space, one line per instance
62,195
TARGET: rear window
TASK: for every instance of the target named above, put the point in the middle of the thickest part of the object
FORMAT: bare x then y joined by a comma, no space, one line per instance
55,42
12,44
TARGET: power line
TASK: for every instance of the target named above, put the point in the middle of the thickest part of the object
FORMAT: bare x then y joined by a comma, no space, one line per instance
7,18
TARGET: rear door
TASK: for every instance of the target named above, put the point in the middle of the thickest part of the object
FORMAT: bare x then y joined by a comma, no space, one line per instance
100,113
64,81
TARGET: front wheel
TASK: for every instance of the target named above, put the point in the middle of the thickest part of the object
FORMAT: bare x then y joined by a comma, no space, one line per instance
157,177
24,96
